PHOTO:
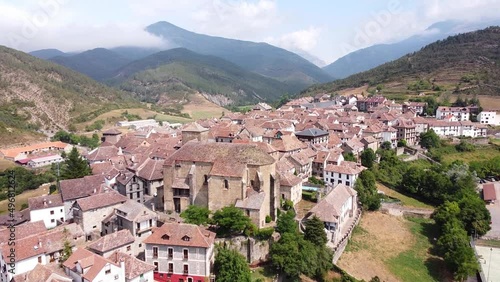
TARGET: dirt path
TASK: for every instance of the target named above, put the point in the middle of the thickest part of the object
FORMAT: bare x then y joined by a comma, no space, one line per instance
380,237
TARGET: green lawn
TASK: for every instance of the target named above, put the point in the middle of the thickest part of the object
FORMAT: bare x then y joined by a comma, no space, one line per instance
405,200
480,154
417,264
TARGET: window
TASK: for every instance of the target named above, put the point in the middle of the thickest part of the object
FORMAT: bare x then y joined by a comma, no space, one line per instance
52,212
138,194
155,252
347,176
226,184
52,220
190,279
348,183
39,259
205,179
170,268
186,269
61,210
150,223
170,253
107,271
128,248
138,226
186,254
156,265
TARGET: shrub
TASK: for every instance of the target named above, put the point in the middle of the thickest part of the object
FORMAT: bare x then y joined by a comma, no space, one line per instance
268,218
264,233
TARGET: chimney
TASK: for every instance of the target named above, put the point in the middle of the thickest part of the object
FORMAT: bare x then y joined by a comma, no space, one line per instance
95,190
39,243
44,201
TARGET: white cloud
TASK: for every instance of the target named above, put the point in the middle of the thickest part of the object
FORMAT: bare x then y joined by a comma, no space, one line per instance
39,27
304,39
247,20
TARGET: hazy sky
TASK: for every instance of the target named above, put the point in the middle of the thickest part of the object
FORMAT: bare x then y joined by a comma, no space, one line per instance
325,29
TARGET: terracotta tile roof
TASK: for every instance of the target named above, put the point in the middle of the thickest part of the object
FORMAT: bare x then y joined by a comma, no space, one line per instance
45,202
228,159
194,127
346,167
134,211
133,267
300,158
330,207
101,200
176,234
284,165
253,201
289,180
124,177
489,193
95,263
321,156
23,230
102,153
11,153
43,242
43,273
112,241
72,189
288,143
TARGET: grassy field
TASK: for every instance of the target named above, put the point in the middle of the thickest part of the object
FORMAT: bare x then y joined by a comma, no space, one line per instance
480,154
405,200
201,108
394,249
23,198
416,264
264,273
5,164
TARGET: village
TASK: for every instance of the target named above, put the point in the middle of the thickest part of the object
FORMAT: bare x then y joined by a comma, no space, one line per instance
123,221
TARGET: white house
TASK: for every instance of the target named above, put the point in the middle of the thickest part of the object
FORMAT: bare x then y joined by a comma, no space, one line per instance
180,252
45,161
135,270
34,245
49,208
461,113
335,209
85,266
344,173
489,117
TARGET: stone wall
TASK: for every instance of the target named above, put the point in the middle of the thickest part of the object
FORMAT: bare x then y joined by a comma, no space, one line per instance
253,250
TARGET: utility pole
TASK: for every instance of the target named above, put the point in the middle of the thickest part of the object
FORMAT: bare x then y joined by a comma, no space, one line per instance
489,266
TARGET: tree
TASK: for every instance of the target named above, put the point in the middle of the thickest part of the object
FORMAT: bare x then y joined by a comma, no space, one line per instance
402,143
285,255
286,223
368,157
474,215
367,190
230,266
67,249
230,221
315,232
386,145
196,215
75,166
349,157
430,139
464,146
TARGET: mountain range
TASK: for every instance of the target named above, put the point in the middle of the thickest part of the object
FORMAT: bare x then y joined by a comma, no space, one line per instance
40,95
376,55
467,62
